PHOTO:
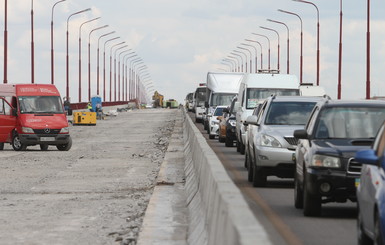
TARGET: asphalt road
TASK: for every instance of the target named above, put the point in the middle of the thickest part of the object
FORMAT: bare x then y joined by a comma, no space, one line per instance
274,206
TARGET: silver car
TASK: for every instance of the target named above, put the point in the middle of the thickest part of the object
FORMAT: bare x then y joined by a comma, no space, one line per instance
271,145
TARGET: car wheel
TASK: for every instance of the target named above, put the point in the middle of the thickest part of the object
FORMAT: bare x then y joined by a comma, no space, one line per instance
377,231
43,147
242,149
65,147
1,146
238,146
221,139
362,238
259,176
211,136
205,127
298,193
311,203
250,167
229,142
16,143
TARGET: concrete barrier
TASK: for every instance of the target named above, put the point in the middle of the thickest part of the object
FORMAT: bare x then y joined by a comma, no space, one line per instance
218,212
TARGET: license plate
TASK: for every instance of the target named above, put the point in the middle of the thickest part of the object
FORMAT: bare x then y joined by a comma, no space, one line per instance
357,182
47,138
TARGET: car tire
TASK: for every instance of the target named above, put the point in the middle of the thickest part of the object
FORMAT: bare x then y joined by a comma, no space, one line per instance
205,127
16,143
1,146
229,142
242,148
65,147
211,136
238,146
43,147
221,139
250,167
311,204
259,176
298,193
362,238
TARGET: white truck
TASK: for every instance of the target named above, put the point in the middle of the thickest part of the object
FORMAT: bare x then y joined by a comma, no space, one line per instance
199,102
308,89
221,89
254,89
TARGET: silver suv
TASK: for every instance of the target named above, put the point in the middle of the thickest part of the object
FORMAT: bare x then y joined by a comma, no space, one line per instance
271,145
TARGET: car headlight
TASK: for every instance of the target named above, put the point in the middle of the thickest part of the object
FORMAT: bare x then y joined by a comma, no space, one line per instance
269,141
27,130
65,130
325,161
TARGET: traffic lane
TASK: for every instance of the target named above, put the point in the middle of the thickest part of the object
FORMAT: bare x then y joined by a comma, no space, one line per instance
274,206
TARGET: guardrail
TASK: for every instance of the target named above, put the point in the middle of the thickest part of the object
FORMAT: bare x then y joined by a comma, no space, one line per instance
218,212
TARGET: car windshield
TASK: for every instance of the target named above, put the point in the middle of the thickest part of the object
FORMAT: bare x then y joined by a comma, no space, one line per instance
218,111
200,96
254,95
40,104
354,122
289,113
221,99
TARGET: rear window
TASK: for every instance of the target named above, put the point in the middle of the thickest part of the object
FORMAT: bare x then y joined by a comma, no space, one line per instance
254,95
289,113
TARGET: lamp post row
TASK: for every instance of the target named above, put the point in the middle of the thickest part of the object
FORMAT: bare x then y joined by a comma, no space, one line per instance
5,73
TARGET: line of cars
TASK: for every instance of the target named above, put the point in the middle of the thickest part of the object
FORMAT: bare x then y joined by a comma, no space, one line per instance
322,143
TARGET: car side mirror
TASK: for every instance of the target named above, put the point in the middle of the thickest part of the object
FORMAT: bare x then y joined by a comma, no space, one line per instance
253,120
367,157
301,134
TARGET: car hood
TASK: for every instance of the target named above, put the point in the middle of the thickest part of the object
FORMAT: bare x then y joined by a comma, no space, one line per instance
341,147
282,130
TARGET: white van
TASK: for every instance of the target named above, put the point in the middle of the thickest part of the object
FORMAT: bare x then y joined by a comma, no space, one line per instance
308,89
255,88
221,89
199,102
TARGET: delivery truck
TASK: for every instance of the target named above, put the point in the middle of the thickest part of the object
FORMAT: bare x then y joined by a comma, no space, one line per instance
33,114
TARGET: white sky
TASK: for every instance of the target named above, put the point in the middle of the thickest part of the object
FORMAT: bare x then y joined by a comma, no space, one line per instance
180,41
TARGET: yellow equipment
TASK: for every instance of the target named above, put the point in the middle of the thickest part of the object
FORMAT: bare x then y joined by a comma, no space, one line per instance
158,99
84,118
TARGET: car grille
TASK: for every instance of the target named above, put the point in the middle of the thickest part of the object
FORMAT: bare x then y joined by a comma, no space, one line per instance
46,131
354,167
291,140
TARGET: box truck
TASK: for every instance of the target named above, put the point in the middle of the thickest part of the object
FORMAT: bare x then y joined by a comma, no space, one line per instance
33,114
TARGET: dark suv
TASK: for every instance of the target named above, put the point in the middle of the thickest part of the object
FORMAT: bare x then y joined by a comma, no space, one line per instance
325,167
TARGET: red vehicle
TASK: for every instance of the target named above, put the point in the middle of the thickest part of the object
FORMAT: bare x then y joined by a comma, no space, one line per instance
33,114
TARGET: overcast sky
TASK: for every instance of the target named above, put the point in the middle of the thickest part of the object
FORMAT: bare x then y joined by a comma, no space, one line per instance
180,41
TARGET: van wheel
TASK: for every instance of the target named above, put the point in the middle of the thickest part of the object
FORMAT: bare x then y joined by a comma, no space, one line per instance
43,147
1,146
16,144
65,147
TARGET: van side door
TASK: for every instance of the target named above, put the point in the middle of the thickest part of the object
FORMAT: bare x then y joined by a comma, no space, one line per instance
7,120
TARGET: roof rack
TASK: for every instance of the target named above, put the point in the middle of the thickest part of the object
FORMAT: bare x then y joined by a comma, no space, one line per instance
268,71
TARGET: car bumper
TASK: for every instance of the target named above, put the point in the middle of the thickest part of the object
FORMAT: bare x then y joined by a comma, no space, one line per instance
342,186
230,133
34,139
276,161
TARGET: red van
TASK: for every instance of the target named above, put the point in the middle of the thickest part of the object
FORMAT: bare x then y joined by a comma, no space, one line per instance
33,114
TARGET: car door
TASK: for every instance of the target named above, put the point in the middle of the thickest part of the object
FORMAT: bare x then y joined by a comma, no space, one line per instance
7,120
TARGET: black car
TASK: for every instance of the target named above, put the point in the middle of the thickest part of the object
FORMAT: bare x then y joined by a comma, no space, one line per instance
326,170
230,124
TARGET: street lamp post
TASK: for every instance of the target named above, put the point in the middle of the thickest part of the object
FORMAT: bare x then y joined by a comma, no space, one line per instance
115,70
236,61
240,56
124,78
368,53
52,52
32,48
67,55
256,54
251,63
131,78
80,56
340,56
301,55
119,74
89,59
5,80
288,44
268,41
260,45
98,52
113,46
233,64
128,77
318,28
228,64
278,55
104,66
